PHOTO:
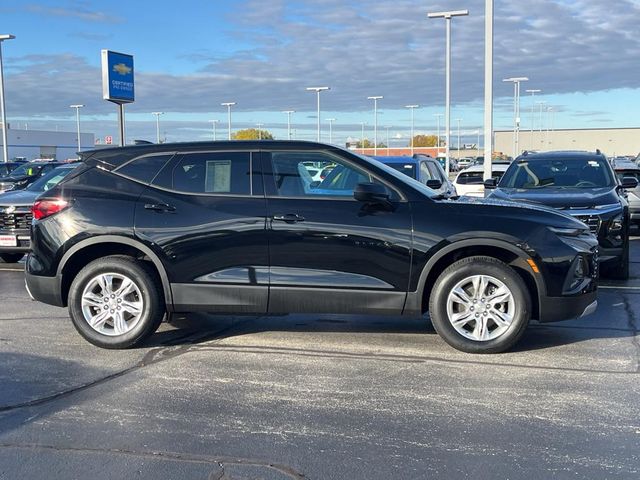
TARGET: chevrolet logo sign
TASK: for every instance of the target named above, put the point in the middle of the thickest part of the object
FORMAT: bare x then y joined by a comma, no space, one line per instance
10,209
122,69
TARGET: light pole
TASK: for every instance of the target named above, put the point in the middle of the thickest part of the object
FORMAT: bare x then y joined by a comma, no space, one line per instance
458,120
5,146
331,120
388,143
412,108
478,145
488,91
259,125
448,16
214,123
516,110
375,122
533,92
541,104
362,124
318,90
157,114
438,115
228,105
77,106
289,112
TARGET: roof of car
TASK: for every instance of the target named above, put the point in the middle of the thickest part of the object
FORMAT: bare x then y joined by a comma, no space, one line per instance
559,154
625,165
497,167
398,159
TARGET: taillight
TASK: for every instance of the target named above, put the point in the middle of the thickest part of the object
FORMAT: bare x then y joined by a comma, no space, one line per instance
45,208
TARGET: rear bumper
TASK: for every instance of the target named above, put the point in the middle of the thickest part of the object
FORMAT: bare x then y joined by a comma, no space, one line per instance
44,289
554,309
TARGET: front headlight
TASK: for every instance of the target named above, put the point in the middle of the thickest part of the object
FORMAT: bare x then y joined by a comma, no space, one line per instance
569,232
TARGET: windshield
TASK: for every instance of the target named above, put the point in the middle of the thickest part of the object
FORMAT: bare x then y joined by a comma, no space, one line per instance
50,180
558,172
476,178
406,168
4,170
26,170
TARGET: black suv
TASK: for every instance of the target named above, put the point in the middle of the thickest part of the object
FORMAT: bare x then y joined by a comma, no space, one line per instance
582,184
233,227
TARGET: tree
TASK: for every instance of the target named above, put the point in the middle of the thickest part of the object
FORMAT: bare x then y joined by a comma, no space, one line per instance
425,141
369,144
252,134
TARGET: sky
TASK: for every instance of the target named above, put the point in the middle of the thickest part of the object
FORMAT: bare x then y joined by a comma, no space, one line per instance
191,56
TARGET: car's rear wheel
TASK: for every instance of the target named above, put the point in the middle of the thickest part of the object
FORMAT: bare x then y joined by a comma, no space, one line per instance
480,305
116,302
11,257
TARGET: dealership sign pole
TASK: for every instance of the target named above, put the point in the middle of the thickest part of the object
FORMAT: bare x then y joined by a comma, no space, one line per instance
117,83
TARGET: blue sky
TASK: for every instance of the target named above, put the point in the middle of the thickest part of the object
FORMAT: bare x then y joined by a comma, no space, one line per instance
192,55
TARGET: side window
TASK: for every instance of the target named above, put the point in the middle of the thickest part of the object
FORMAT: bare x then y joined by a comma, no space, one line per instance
425,173
436,172
208,172
145,168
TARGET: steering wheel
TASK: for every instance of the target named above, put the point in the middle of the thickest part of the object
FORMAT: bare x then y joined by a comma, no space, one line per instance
585,183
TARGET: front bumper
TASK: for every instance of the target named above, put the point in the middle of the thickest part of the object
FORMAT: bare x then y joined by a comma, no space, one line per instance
554,309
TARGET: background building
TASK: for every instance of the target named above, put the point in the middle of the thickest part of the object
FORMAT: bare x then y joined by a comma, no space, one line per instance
45,144
611,141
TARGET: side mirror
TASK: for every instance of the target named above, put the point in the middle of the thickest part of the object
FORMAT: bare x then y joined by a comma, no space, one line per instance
434,184
490,183
629,183
371,193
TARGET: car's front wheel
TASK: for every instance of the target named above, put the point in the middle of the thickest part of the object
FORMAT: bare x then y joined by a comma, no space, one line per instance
480,305
116,302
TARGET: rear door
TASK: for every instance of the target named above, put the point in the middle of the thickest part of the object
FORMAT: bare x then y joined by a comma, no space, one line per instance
205,215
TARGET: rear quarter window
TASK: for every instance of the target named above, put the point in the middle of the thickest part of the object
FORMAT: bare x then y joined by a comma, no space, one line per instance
144,169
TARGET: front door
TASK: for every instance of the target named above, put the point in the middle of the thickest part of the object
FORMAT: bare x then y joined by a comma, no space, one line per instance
205,215
327,251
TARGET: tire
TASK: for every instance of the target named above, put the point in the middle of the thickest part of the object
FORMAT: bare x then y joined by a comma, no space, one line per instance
504,321
132,311
11,257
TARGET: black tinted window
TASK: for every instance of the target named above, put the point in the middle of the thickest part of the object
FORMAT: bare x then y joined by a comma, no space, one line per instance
144,169
228,173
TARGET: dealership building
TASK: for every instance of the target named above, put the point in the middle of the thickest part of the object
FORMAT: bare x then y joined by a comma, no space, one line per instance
32,144
611,141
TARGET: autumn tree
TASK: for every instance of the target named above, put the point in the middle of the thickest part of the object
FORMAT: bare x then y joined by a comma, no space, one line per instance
368,144
252,134
425,141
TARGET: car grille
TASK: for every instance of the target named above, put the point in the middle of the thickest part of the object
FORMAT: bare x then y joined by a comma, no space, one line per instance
591,221
17,220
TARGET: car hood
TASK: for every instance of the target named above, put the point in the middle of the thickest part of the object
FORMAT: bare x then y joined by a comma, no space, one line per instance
12,179
18,198
575,198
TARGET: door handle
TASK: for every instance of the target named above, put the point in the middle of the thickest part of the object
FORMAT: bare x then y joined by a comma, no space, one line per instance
160,207
288,218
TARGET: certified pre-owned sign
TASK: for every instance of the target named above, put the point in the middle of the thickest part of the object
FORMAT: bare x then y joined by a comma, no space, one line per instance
117,77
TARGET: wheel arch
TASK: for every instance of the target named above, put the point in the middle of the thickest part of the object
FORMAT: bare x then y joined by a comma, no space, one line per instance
92,248
417,302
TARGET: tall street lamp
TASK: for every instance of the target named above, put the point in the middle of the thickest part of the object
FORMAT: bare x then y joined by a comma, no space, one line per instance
157,114
458,120
228,105
488,91
214,123
516,110
533,92
318,90
331,120
438,115
259,125
362,124
448,16
375,122
78,107
3,118
388,143
541,104
412,108
289,112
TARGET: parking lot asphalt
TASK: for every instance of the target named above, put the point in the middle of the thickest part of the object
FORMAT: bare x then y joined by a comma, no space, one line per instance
319,397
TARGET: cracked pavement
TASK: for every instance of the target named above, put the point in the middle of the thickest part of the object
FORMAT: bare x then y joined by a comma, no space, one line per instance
319,397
